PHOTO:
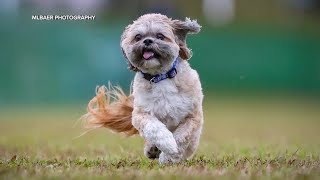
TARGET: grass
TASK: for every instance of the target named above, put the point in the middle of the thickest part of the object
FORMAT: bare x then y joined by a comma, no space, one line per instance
264,138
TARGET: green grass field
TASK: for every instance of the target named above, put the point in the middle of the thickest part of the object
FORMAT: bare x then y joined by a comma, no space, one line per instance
264,138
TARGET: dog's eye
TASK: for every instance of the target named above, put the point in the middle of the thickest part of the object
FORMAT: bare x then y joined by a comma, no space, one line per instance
138,37
160,36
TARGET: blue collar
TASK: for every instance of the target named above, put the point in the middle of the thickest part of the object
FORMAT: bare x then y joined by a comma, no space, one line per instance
159,77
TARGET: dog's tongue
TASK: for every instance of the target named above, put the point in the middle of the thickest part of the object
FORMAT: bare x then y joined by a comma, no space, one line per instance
147,54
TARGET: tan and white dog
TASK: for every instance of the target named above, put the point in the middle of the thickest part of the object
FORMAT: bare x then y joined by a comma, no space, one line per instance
165,105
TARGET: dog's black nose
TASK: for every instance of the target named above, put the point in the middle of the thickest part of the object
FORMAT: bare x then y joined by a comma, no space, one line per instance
147,42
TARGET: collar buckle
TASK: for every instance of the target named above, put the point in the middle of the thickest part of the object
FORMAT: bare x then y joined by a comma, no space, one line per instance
152,80
172,73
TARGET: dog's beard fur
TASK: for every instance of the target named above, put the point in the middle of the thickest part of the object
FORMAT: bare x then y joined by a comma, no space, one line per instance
164,55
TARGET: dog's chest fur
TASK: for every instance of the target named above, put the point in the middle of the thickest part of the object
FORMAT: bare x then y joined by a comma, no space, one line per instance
163,100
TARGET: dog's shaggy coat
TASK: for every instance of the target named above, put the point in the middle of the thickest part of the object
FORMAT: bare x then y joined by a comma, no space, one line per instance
167,114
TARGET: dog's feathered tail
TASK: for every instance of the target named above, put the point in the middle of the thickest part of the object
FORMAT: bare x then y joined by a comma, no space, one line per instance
112,109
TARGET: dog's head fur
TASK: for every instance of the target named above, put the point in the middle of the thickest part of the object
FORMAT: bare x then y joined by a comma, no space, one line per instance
152,42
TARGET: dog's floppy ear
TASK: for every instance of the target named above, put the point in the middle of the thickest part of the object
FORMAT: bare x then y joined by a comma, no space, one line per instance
181,29
123,36
130,66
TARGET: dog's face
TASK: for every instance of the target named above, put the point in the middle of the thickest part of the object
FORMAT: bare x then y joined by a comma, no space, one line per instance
154,41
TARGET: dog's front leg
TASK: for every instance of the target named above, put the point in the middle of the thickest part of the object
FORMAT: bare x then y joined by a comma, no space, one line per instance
187,134
154,132
151,151
187,137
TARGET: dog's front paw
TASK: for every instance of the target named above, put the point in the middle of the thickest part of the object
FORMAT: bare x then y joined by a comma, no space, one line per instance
166,158
156,133
152,152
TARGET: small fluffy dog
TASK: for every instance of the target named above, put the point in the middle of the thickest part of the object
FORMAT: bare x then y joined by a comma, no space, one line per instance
165,104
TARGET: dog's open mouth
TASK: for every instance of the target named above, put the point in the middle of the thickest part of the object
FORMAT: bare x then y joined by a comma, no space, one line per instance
148,54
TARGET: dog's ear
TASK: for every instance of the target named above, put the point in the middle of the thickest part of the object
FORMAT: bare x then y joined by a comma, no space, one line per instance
123,36
181,29
130,66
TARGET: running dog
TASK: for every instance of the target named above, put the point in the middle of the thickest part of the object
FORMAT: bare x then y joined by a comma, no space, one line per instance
165,103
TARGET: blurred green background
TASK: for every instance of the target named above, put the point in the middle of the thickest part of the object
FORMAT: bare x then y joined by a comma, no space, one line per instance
245,47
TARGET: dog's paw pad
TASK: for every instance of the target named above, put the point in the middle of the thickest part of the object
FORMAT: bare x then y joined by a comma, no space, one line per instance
153,153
